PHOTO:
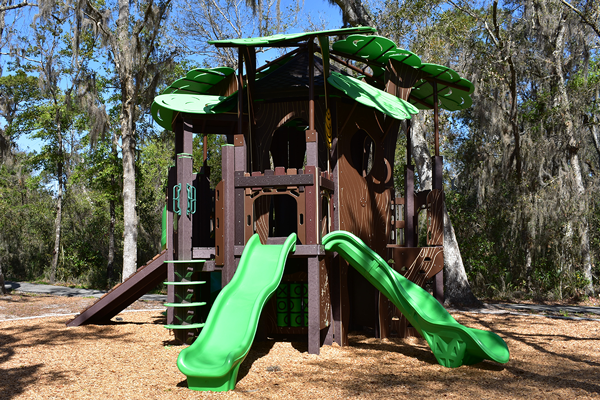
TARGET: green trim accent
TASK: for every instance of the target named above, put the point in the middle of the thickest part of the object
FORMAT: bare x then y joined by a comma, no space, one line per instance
291,38
188,326
191,199
188,283
163,225
194,304
373,97
176,193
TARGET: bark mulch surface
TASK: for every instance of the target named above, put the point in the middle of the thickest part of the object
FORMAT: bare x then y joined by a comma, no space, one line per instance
135,358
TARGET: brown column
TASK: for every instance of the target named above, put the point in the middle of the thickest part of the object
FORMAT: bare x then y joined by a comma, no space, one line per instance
314,306
228,172
171,182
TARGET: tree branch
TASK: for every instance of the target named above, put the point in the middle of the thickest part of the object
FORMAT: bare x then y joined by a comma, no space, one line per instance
485,24
583,17
25,3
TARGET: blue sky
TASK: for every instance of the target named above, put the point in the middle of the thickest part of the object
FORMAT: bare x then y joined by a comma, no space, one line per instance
320,12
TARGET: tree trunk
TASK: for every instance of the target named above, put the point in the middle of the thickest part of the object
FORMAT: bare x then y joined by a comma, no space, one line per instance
129,200
2,287
57,232
573,149
110,268
124,49
456,288
59,200
354,12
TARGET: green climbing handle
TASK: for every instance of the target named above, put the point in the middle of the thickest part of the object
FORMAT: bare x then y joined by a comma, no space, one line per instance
191,199
176,193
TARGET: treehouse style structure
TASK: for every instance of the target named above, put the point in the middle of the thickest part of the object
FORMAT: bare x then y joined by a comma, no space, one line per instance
311,143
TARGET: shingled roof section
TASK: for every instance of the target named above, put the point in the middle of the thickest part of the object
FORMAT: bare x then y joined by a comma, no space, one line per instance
293,75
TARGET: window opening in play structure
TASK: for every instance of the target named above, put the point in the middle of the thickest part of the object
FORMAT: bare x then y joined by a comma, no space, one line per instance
362,152
283,216
288,145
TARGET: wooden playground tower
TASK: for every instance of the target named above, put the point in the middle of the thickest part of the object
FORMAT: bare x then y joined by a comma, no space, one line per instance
310,150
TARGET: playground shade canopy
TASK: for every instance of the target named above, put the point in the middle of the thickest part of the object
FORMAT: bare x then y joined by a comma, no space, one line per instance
373,97
426,81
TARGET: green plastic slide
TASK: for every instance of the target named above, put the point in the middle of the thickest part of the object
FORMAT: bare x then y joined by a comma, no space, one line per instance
452,343
212,362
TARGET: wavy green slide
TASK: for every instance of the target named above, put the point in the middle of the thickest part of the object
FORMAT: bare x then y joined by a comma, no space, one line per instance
452,343
212,362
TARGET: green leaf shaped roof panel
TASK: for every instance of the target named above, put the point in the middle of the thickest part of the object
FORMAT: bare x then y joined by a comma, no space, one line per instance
189,85
291,37
371,48
373,97
209,75
440,72
165,105
189,103
162,116
456,100
405,57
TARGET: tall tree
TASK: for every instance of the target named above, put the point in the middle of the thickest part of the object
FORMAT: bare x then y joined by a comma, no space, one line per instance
524,159
133,43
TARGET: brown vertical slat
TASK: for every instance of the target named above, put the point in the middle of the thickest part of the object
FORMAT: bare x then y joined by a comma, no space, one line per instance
409,205
311,217
314,306
228,171
171,181
324,294
219,224
240,214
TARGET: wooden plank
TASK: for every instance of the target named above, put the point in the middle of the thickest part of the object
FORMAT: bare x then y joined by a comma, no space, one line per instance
273,181
203,252
124,294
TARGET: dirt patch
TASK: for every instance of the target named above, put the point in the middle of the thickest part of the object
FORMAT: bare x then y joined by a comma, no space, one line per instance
135,359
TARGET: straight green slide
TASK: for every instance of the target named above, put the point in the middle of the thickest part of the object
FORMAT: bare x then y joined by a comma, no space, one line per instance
452,343
212,362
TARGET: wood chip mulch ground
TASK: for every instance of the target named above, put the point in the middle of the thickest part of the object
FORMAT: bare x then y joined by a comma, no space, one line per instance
135,358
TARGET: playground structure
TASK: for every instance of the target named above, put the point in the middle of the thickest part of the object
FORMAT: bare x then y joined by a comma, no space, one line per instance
310,152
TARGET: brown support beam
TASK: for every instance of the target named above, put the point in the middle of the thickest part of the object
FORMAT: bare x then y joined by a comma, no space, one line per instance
436,119
171,182
240,140
312,151
228,171
314,306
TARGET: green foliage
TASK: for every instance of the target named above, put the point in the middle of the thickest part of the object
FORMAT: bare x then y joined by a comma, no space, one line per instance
26,221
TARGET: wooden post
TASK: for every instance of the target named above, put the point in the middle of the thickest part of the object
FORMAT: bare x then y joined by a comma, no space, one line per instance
228,171
314,306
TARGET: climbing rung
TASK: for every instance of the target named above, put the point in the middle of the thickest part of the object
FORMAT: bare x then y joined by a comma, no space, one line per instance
195,304
189,326
188,283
